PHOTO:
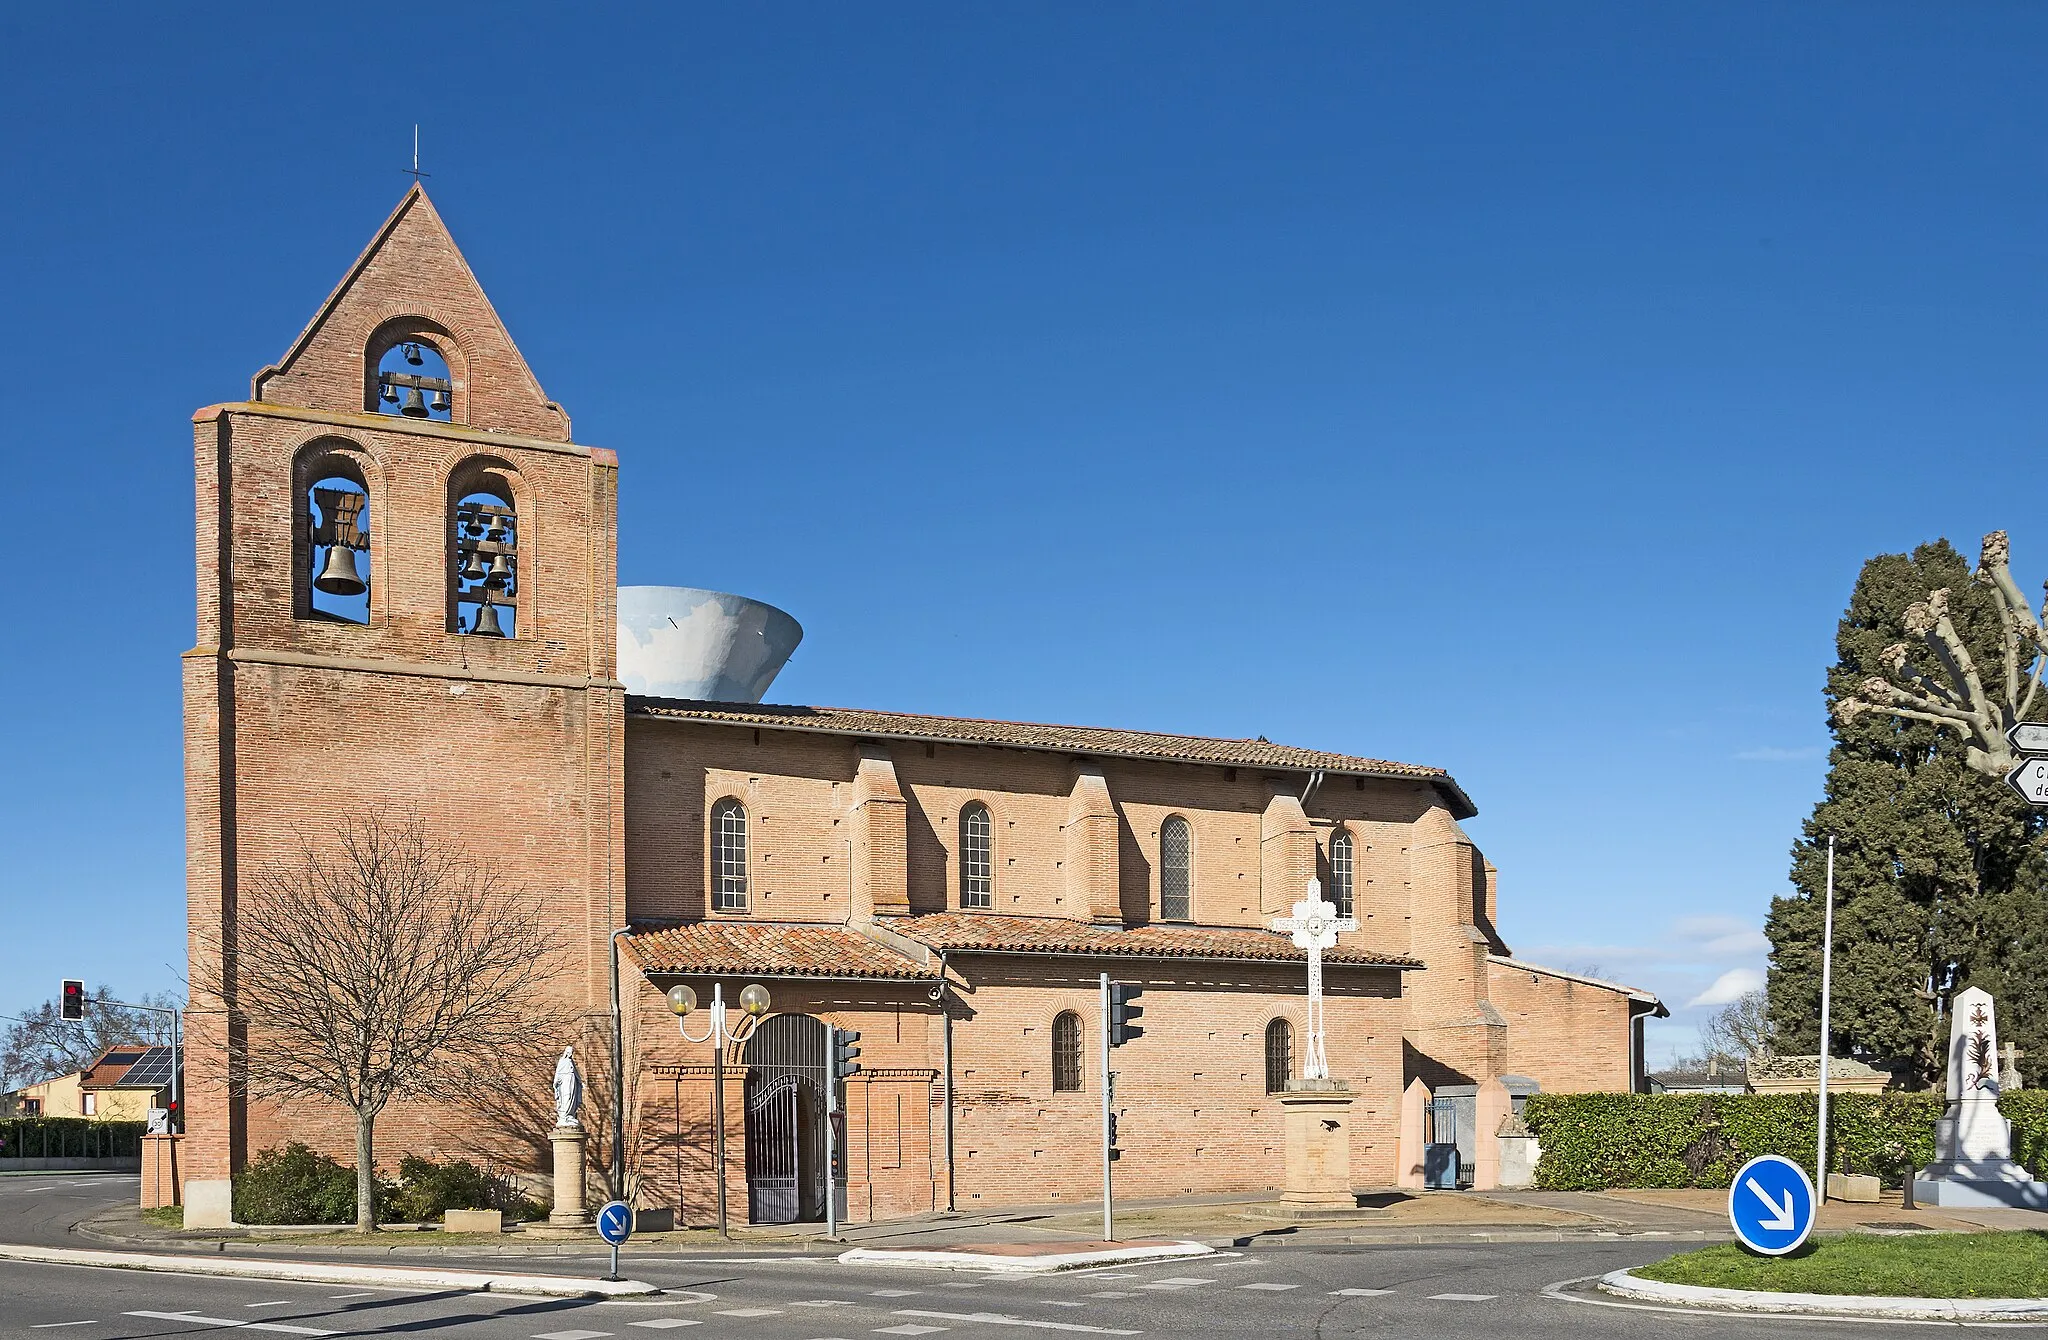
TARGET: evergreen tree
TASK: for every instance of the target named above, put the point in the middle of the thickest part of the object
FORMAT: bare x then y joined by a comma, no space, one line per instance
1939,869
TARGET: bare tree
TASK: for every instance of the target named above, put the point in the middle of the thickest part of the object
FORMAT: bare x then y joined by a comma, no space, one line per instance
1940,682
1740,1031
376,966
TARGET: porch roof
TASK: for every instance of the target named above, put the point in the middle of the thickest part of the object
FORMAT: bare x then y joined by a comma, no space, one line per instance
988,933
768,949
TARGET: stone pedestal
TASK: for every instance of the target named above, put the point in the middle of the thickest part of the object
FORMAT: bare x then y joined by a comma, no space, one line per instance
1316,1115
209,1202
1972,1141
568,1211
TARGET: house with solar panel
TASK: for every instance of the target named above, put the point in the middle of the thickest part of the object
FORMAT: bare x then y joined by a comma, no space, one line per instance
122,1084
407,599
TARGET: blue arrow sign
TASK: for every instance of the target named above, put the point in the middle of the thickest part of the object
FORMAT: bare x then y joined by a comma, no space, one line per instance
1771,1205
615,1222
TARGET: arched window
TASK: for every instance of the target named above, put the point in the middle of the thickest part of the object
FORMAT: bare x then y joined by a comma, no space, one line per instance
728,856
1279,1055
484,573
1340,873
412,381
977,857
1066,1053
338,544
1176,867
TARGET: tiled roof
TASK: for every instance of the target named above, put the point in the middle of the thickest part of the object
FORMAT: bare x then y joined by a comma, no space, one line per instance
1033,735
768,949
977,932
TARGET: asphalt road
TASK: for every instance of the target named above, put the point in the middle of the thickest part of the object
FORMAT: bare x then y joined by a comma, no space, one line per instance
1480,1290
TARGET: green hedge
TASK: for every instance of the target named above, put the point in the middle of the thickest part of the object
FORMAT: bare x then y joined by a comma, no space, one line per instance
1598,1140
70,1138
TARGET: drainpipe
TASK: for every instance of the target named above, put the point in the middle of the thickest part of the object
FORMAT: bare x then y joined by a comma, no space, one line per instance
618,1075
1315,784
946,1015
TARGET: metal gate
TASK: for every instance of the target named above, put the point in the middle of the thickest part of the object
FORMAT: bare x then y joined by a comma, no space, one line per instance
785,1101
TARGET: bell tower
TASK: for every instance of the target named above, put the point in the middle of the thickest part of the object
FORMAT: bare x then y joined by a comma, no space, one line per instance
406,602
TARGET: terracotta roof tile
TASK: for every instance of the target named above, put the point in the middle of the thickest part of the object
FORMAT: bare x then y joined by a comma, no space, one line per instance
971,932
1034,735
768,949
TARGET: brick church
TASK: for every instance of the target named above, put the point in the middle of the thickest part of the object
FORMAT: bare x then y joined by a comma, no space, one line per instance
407,598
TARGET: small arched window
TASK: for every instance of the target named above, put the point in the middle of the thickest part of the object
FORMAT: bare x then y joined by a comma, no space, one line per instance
1279,1055
1066,1053
484,557
1340,873
977,857
413,381
338,544
1176,869
728,856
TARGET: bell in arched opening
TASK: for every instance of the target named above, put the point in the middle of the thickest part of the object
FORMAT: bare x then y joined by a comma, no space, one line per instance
339,576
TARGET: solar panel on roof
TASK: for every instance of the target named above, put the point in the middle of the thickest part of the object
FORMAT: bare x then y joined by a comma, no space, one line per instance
153,1070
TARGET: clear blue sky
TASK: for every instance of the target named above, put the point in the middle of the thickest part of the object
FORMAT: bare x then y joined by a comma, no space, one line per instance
1515,392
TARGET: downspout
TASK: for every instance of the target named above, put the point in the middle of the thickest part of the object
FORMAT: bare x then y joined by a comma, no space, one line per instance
946,1016
1315,784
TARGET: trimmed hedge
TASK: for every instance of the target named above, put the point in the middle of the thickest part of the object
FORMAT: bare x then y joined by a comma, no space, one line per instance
1593,1141
70,1138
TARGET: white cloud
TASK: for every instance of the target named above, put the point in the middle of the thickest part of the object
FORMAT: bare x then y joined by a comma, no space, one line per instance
1729,987
1777,754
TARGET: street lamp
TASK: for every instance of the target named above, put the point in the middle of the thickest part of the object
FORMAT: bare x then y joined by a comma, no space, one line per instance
754,1006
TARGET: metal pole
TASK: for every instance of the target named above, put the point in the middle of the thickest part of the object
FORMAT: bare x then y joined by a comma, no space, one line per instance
618,1075
1827,964
718,1097
1108,1215
831,1131
946,1013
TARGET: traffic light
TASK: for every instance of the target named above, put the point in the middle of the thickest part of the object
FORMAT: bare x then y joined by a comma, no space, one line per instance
1122,1011
1114,1152
71,1005
845,1053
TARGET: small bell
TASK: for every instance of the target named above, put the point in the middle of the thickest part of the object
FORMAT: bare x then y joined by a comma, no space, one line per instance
473,571
387,392
412,355
414,407
339,575
501,572
487,622
440,402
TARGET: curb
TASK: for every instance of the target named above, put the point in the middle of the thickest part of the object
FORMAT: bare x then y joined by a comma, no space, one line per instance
1623,1284
1039,1263
404,1277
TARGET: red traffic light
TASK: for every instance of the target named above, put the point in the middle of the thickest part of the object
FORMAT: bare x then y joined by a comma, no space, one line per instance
72,1004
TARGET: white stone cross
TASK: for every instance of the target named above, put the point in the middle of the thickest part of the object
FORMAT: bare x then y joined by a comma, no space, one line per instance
1314,927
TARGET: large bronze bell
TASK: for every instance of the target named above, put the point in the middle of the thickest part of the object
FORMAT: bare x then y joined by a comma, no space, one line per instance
339,576
414,407
487,622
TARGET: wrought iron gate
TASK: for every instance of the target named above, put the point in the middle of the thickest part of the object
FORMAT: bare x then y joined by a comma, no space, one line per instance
785,1098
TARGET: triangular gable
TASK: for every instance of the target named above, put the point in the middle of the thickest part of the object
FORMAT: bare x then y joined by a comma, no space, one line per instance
412,280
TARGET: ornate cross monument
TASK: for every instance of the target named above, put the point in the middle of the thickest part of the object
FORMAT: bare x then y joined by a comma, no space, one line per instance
1314,927
1315,1110
1973,1143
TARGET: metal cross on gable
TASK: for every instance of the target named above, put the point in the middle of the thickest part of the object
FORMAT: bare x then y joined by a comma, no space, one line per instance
1314,927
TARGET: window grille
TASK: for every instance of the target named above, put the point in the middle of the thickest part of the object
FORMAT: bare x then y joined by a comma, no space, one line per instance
1279,1055
1340,873
977,857
1175,853
729,857
1066,1053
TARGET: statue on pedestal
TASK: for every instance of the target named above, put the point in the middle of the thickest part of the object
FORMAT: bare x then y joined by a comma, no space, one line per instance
568,1090
1973,1142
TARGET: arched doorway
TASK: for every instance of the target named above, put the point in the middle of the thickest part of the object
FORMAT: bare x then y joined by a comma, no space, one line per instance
785,1102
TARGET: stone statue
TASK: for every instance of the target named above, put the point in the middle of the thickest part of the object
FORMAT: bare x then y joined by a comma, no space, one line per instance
1973,1141
568,1091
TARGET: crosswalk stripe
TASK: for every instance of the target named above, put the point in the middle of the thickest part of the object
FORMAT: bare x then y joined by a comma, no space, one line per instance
1462,1297
194,1319
1358,1293
1004,1319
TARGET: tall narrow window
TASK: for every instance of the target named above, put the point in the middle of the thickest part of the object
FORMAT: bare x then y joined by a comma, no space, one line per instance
977,857
1175,867
1066,1053
729,857
1340,873
1279,1055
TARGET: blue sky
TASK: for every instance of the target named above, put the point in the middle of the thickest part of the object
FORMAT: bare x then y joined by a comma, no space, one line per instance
1511,391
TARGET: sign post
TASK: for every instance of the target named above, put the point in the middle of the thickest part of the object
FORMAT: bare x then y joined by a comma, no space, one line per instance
615,1225
1771,1205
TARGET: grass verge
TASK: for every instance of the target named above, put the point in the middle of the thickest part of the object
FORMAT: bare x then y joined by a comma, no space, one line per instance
1932,1265
165,1216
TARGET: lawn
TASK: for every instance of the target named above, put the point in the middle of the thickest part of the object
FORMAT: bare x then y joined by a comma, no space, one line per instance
1926,1265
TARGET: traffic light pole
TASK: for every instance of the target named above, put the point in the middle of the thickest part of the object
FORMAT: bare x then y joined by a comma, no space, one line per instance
831,1132
1108,1213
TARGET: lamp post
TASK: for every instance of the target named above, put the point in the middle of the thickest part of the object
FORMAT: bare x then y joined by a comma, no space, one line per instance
753,1004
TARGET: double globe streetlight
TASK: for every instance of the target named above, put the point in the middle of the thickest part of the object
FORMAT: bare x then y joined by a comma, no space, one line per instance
682,1000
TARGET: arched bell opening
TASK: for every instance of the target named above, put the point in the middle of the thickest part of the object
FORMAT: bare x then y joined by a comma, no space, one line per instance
486,572
332,537
413,382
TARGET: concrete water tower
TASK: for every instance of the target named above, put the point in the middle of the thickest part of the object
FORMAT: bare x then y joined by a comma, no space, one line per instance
682,642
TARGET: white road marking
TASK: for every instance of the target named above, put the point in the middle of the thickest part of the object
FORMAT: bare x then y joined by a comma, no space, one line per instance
891,1293
1060,1302
361,1293
276,1302
1270,1288
572,1335
909,1330
751,1312
53,1325
1003,1319
1112,1293
194,1319
973,1284
1358,1293
1185,1279
824,1302
665,1323
1462,1297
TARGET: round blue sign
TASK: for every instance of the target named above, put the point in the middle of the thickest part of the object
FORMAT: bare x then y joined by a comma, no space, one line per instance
615,1222
1771,1204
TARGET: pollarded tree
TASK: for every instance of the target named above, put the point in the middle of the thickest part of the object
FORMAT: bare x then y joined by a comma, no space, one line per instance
377,966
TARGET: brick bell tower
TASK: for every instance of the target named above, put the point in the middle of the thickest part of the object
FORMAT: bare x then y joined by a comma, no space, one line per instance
406,598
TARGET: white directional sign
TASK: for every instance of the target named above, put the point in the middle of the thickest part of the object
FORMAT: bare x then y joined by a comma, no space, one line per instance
2030,779
2029,737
